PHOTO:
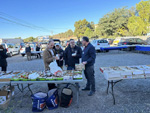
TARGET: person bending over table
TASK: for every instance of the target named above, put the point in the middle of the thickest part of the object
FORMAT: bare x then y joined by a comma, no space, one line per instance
48,57
88,59
3,56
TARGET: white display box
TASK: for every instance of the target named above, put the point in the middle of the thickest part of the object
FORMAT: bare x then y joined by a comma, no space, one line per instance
112,75
147,75
138,76
138,72
123,73
147,71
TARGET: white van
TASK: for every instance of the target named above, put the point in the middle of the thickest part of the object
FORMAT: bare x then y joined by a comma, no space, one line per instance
12,49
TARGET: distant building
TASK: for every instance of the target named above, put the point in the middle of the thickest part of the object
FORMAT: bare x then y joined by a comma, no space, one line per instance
43,38
14,41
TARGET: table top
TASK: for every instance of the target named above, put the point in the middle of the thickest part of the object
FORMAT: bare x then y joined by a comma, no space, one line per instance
30,82
126,72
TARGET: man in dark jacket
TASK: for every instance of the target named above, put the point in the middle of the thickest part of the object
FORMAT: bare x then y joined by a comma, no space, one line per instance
72,55
28,52
88,59
3,56
60,54
38,49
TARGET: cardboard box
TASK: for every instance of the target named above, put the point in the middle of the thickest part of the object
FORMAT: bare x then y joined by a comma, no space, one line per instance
4,105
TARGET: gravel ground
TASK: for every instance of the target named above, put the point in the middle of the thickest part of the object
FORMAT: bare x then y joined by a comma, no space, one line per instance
132,96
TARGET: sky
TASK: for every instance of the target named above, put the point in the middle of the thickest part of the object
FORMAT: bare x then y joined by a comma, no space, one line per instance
51,16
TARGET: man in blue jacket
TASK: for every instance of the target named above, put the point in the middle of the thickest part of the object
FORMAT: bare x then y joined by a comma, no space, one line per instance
88,59
72,55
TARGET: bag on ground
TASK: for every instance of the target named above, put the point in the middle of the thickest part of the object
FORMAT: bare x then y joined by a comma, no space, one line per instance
66,97
52,100
38,101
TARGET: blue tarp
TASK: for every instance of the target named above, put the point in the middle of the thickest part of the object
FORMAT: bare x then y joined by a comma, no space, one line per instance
113,48
137,47
142,48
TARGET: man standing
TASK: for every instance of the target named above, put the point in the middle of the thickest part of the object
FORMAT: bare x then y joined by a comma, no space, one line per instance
59,53
3,61
72,55
48,57
28,52
88,59
79,44
38,49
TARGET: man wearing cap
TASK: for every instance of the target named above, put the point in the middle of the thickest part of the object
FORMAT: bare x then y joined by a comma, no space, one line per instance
60,54
88,59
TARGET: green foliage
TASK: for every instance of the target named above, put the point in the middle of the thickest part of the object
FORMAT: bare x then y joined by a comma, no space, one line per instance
64,35
18,38
30,39
89,33
81,26
139,24
112,22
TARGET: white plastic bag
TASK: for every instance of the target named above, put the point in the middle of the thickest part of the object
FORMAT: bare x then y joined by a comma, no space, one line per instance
55,69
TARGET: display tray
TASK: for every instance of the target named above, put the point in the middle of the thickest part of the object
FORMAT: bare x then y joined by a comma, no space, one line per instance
5,80
77,78
58,79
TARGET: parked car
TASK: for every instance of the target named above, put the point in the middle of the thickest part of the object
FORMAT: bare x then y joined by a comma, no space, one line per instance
12,49
116,41
110,41
43,45
32,45
100,43
132,41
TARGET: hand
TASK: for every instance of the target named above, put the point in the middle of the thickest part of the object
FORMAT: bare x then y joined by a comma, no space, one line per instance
66,65
55,58
84,63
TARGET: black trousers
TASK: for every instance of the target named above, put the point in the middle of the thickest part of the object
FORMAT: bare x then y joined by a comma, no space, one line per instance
4,68
89,75
51,86
38,55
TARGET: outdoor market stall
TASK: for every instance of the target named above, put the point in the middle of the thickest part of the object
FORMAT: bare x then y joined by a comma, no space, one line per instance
116,74
20,78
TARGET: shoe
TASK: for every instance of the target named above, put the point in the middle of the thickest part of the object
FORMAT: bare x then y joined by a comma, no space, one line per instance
86,89
91,93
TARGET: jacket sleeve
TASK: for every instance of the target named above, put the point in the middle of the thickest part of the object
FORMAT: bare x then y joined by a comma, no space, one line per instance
79,53
4,55
65,56
92,54
46,58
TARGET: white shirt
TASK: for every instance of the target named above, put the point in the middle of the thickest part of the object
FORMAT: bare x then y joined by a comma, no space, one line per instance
51,52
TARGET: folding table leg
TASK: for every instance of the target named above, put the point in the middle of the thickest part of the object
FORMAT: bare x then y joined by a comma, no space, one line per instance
22,91
112,89
107,87
77,88
30,89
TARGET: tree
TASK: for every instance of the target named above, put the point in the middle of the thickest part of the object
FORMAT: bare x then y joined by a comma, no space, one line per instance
89,33
69,33
29,39
112,22
81,26
139,23
18,38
